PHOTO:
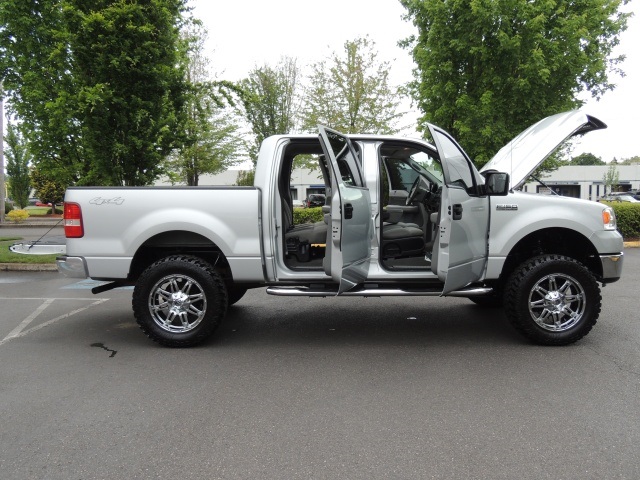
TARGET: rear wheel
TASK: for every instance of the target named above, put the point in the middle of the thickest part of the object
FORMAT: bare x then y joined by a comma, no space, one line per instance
179,301
553,300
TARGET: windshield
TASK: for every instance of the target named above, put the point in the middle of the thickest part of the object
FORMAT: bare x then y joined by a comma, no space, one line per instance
427,167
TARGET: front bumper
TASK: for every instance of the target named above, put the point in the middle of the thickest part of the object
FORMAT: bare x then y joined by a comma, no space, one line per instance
72,267
611,267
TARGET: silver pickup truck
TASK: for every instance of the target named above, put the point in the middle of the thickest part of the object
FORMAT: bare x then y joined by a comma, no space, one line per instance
402,217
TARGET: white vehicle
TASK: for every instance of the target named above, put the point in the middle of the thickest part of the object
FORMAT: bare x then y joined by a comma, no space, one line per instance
402,217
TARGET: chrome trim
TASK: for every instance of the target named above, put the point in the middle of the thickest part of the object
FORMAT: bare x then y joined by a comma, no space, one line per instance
611,266
375,292
177,303
557,302
72,267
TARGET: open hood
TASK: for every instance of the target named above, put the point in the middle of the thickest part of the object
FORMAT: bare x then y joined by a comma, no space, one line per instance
520,157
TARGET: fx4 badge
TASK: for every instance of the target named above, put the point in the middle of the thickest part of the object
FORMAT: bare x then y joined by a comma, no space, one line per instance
106,201
503,206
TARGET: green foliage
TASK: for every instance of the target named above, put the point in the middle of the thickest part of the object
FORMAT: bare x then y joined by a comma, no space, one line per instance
611,178
268,97
351,92
586,159
8,206
97,85
486,70
245,178
307,215
36,68
18,159
631,160
212,142
627,217
48,189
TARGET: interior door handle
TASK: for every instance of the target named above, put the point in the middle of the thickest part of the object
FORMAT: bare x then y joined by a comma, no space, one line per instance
348,211
457,211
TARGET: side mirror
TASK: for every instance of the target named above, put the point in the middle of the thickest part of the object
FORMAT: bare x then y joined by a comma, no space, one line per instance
496,184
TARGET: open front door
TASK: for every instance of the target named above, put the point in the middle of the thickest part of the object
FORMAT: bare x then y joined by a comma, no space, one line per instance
464,218
350,229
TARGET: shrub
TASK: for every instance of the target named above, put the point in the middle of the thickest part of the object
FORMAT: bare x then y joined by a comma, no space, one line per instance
8,206
307,215
17,216
628,217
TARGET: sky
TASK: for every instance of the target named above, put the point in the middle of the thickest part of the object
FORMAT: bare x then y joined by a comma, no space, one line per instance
249,33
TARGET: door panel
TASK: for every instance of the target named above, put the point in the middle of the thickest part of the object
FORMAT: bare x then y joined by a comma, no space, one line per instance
349,247
464,218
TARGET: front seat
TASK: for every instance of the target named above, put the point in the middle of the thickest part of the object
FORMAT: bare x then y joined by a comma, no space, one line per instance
402,240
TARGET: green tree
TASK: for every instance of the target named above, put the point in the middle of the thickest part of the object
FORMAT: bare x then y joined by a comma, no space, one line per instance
351,92
245,178
18,160
131,85
97,85
48,189
212,142
269,96
36,68
488,69
586,159
611,178
631,160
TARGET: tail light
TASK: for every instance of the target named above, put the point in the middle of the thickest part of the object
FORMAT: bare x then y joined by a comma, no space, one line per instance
73,221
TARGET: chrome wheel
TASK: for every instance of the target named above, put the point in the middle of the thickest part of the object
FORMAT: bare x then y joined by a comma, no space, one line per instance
177,303
557,302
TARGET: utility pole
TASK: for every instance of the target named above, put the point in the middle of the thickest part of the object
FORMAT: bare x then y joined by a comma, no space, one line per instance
2,188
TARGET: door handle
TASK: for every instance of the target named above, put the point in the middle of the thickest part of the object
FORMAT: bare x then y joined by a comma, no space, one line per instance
348,211
457,211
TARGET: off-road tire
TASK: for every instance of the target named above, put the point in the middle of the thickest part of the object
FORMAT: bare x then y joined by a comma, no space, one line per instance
179,301
552,300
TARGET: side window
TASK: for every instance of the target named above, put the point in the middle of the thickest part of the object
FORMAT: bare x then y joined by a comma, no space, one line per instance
346,155
458,168
401,175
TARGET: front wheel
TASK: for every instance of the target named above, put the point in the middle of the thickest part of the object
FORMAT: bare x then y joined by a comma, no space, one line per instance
179,301
553,300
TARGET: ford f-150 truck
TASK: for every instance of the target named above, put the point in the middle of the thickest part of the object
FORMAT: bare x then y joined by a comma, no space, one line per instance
402,217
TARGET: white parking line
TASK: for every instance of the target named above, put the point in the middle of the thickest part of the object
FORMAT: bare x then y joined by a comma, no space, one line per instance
20,331
22,325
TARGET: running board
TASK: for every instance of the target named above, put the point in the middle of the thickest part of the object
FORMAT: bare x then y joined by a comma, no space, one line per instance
376,292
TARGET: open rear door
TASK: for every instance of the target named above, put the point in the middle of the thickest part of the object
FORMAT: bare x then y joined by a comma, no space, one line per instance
351,226
464,218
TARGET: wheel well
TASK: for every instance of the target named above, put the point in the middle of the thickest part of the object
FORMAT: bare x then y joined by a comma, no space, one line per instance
178,242
561,241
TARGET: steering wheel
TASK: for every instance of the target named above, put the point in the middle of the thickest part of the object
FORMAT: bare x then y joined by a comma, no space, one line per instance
413,192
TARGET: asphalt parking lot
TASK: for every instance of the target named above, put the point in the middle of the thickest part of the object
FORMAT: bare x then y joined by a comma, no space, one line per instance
313,388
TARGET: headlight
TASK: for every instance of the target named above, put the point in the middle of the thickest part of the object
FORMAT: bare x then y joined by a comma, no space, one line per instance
609,218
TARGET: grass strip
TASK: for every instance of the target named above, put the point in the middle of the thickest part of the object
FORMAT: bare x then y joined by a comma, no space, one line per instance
7,256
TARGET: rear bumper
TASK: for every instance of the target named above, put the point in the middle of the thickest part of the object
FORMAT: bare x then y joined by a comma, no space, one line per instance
611,267
73,267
